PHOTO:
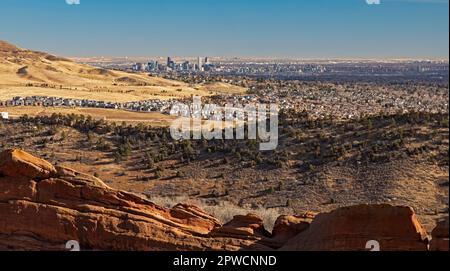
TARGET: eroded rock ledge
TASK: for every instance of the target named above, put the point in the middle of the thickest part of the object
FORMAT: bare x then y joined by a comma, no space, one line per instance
43,206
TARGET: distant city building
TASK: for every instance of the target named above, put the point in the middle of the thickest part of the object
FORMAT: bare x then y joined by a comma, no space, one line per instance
202,64
186,65
152,66
207,66
199,64
170,63
139,67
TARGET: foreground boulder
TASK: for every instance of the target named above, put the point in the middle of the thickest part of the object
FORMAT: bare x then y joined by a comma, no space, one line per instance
249,227
287,227
351,228
242,225
18,163
440,237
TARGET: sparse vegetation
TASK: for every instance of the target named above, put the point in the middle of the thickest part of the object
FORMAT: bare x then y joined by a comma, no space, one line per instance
225,211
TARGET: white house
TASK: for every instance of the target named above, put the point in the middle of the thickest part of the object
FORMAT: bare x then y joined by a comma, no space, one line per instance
4,115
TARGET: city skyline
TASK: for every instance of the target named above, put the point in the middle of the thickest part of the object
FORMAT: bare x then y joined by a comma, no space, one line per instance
320,29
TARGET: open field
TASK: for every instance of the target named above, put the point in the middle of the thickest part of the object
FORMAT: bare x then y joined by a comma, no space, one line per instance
106,95
154,119
149,118
120,94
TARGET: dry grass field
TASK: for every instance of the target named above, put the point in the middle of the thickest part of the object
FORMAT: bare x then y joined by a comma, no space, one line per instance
111,115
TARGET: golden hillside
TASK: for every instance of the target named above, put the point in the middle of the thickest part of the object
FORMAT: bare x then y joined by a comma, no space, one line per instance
26,72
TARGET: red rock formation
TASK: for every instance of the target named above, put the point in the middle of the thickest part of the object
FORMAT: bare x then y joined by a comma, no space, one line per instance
249,227
287,227
43,207
18,163
440,237
190,214
350,228
243,225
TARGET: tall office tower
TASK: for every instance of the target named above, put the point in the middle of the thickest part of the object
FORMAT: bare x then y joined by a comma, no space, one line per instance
151,66
207,66
170,63
200,63
138,67
185,66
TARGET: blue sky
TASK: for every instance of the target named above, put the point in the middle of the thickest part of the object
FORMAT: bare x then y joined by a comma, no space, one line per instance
270,28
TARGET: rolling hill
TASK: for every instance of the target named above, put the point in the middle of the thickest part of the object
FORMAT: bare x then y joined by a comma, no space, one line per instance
25,72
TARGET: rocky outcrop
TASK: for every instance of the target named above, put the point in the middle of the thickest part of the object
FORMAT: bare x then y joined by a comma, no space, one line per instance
243,225
287,227
8,47
17,163
439,241
249,227
190,214
351,228
42,207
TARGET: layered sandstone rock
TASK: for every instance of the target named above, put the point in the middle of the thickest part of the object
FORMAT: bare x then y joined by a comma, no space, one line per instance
43,207
249,227
440,237
287,227
18,163
190,214
351,228
243,225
